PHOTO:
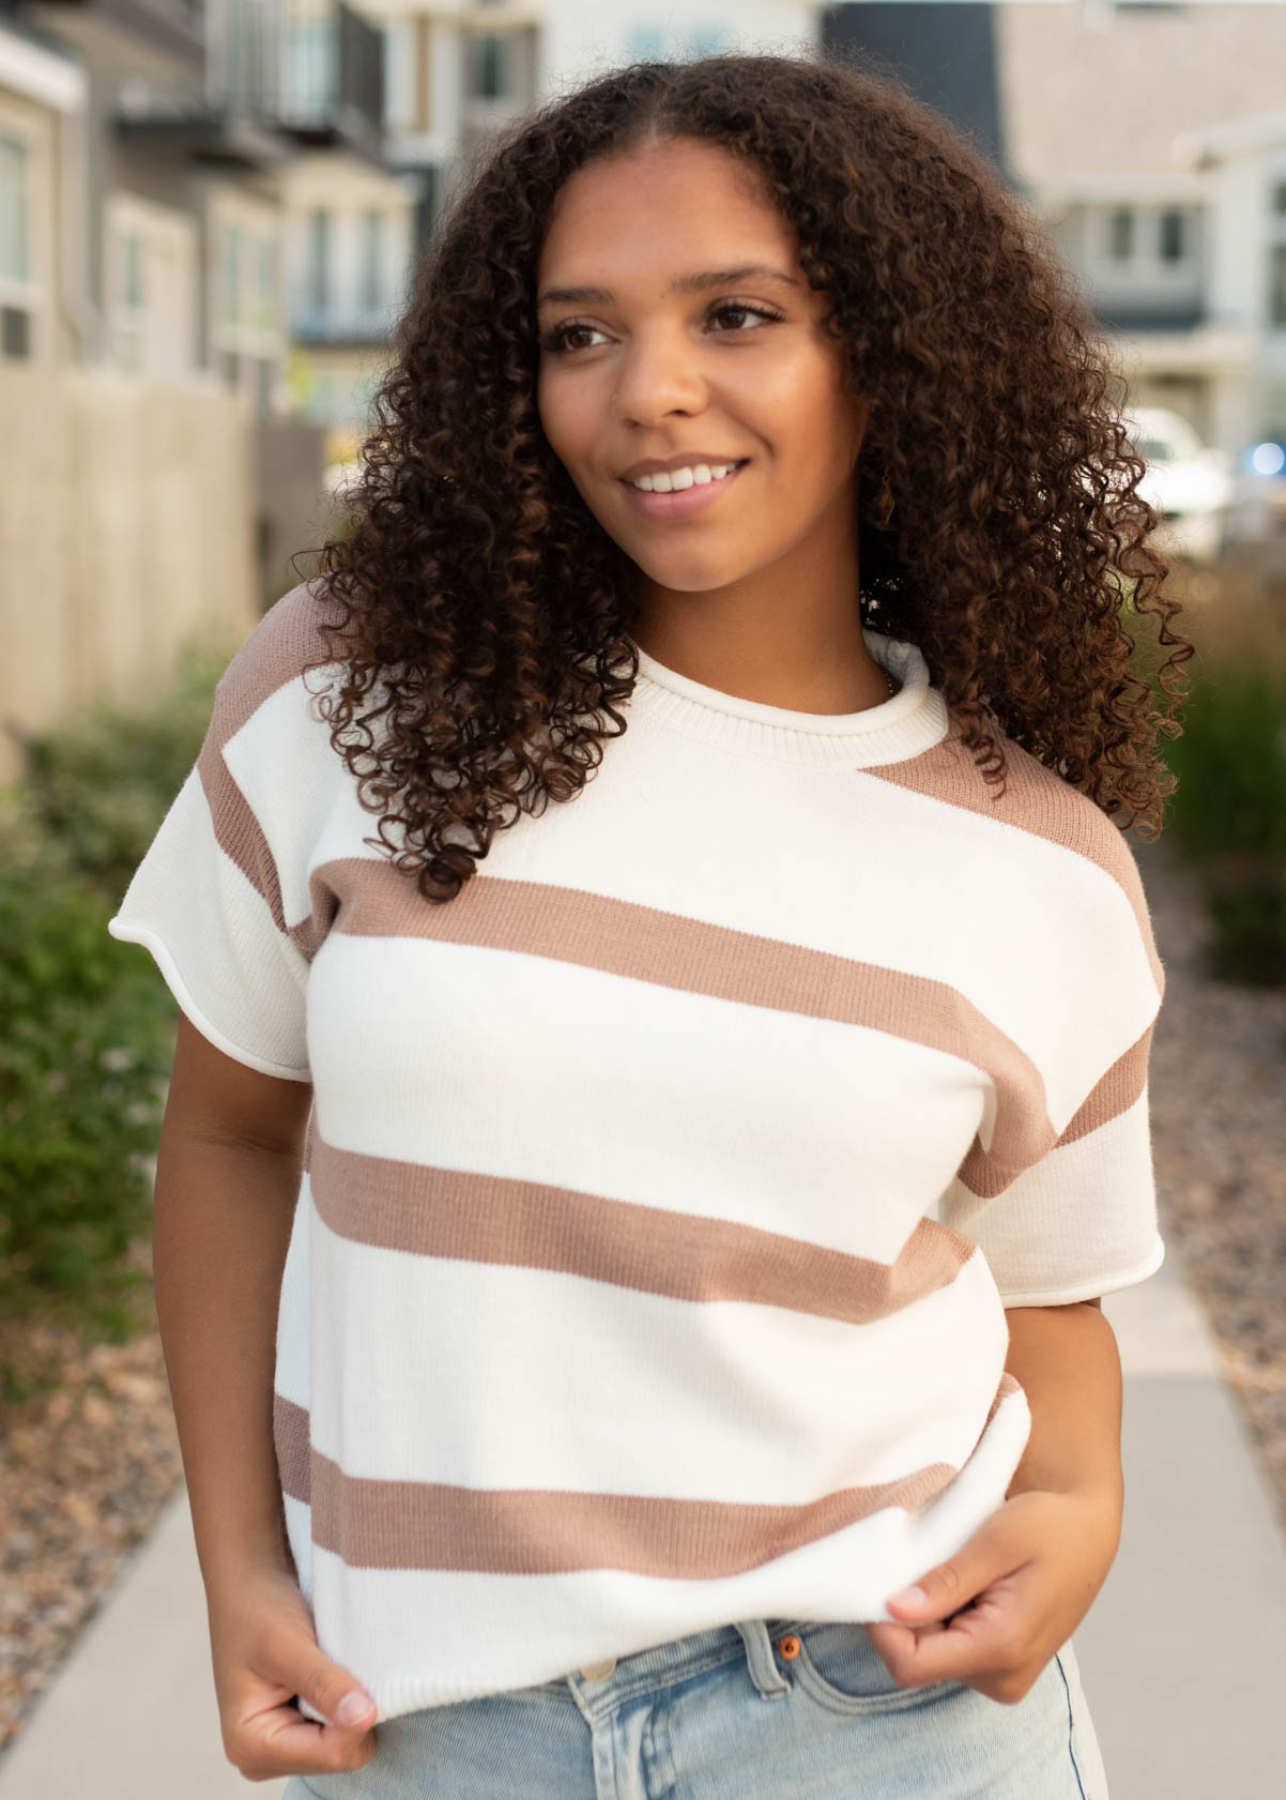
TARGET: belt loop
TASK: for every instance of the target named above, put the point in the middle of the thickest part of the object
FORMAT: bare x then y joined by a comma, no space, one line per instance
765,1674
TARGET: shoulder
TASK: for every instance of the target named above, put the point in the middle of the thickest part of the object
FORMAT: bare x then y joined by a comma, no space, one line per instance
1039,805
287,641
1043,802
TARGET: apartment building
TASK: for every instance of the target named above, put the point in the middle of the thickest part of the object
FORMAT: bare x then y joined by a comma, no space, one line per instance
178,206
42,107
1149,138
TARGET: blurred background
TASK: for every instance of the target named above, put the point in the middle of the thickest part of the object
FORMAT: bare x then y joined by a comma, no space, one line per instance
210,211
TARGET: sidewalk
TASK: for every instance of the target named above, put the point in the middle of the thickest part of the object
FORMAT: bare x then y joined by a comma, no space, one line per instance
1183,1653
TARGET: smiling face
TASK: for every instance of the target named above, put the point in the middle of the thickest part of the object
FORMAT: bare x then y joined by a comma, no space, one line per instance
646,363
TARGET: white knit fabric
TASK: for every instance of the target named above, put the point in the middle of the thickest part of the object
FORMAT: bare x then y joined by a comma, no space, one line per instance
665,1190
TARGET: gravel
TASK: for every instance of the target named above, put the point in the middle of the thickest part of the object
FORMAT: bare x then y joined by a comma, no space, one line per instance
1218,1103
85,1468
87,1465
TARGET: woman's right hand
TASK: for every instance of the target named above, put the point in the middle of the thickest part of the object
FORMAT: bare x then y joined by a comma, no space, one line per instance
265,1653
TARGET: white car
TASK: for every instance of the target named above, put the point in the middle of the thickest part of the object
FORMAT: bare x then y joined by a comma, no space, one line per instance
1190,485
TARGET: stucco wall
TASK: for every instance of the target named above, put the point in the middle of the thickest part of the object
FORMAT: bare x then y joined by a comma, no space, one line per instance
127,526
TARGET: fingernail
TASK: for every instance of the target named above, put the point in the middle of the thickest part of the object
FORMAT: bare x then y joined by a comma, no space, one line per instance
352,1709
912,1596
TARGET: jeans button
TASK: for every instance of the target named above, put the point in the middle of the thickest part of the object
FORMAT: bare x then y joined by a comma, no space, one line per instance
598,1671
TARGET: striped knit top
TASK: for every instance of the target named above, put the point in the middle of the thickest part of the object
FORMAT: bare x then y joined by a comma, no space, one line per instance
665,1190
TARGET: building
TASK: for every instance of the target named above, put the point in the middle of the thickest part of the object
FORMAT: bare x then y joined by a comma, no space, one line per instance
351,214
181,207
1100,102
45,313
1128,126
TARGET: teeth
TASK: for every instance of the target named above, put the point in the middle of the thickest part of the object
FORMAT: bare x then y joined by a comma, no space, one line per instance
673,480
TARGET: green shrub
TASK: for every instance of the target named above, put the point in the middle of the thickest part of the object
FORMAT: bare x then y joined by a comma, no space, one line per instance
86,1044
1228,813
101,782
86,1029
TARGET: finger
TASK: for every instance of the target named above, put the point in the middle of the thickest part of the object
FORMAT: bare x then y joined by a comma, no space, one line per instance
294,1744
993,1552
306,1670
978,1641
266,1735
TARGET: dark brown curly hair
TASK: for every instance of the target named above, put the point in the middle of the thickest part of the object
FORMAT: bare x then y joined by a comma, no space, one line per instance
485,613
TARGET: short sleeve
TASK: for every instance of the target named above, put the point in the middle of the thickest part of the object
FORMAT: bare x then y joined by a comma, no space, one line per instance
1079,1217
220,899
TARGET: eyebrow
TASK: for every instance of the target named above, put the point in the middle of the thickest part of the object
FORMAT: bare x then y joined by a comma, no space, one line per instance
684,284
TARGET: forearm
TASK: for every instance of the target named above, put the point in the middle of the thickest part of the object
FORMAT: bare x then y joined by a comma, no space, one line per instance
221,1231
1066,1359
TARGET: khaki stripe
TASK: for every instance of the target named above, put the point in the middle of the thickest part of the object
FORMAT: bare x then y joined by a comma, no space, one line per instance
287,638
290,1435
669,950
1114,1094
1037,800
527,1531
480,1218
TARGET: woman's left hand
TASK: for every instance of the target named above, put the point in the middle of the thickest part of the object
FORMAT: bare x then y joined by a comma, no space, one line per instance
994,1614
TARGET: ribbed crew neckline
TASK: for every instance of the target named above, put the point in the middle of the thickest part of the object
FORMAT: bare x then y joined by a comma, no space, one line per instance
906,724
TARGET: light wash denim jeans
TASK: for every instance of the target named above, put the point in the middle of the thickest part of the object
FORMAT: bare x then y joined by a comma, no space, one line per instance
725,1715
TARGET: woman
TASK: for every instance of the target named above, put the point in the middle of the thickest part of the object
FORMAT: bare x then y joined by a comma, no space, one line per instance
705,1184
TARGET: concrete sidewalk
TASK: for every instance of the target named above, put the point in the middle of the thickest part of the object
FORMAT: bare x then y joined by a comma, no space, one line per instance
1183,1654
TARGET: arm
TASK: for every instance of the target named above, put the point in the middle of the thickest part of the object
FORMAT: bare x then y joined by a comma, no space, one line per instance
227,1174
227,1178
1066,1359
993,1614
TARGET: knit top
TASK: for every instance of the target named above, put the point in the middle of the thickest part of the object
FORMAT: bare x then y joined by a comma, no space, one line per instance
664,1191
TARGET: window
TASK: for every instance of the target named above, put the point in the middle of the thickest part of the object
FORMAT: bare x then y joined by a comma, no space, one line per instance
487,72
372,259
230,274
400,96
246,326
266,284
17,294
1120,234
310,68
265,380
705,41
319,260
130,321
15,333
1277,286
15,210
149,285
1171,237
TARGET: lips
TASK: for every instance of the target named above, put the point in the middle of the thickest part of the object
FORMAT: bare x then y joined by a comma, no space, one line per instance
686,502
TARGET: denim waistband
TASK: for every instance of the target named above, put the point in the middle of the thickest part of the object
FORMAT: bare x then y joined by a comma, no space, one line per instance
661,1665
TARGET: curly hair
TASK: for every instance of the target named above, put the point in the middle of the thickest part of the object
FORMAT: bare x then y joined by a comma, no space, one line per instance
486,615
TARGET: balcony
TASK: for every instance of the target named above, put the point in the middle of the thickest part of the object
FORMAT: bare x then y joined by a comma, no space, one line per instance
277,74
165,30
331,90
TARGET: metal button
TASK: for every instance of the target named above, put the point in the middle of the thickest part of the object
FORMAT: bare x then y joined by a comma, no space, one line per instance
598,1671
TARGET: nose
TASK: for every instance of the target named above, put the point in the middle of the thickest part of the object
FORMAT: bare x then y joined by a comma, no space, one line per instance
659,374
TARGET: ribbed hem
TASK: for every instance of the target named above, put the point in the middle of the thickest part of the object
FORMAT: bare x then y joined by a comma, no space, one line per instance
905,725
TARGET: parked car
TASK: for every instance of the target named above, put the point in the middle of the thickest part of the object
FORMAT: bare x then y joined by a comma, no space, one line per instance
1190,485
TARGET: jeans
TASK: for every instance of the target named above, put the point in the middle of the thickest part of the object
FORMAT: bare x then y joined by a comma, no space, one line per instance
768,1709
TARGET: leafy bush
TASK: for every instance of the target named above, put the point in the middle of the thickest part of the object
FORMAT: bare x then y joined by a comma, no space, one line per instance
1228,813
86,1042
86,1031
100,783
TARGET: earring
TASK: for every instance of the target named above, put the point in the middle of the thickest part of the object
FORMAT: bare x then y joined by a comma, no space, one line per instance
886,505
